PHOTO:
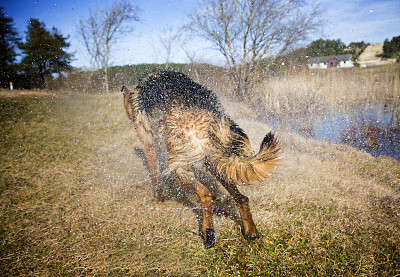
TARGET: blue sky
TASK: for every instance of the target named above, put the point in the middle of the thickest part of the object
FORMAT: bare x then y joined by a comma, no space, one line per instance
372,21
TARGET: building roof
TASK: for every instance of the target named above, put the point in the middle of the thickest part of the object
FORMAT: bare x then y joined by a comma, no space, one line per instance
344,58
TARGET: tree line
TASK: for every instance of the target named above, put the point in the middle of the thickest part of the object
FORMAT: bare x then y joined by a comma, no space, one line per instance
391,49
43,53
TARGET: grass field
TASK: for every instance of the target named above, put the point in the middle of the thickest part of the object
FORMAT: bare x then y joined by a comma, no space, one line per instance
75,200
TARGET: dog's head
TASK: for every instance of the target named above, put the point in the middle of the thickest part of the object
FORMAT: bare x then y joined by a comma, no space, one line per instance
128,102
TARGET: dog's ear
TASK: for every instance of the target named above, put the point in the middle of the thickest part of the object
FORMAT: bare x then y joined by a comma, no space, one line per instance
128,102
125,90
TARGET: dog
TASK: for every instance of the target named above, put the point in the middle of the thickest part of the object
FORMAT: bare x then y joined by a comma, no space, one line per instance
169,109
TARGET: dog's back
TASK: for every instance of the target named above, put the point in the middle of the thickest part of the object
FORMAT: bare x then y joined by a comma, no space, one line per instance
168,89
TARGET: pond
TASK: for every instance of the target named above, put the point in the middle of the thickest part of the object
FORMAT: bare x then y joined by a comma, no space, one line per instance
374,129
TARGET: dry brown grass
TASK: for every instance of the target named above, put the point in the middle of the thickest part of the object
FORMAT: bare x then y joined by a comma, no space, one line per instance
75,201
71,203
309,91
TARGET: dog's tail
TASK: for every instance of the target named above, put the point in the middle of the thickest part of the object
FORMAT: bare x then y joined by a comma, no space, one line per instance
130,102
232,158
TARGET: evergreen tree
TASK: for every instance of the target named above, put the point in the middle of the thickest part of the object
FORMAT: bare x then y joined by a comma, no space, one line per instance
358,45
8,41
321,47
44,53
391,49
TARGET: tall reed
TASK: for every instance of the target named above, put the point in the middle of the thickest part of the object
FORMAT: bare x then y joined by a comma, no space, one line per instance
308,90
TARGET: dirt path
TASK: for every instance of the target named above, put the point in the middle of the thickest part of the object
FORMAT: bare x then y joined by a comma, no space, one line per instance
17,92
371,53
372,56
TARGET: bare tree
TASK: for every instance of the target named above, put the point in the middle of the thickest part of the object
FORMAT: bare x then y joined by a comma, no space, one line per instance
168,39
247,31
191,55
102,29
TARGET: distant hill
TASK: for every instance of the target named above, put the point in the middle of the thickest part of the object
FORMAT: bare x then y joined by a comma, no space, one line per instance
372,55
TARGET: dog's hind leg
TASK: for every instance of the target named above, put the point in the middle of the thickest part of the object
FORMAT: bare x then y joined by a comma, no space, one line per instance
188,179
249,229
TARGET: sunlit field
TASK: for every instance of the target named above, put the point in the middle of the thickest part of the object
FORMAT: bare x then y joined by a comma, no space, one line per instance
75,200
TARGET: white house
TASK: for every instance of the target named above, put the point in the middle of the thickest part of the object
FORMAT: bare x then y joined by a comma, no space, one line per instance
339,61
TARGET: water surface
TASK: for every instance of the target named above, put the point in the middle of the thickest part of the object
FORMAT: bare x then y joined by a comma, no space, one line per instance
374,129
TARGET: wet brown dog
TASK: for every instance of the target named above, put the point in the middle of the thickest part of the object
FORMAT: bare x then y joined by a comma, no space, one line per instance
170,110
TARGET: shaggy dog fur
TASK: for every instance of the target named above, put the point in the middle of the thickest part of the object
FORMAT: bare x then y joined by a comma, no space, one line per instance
170,109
